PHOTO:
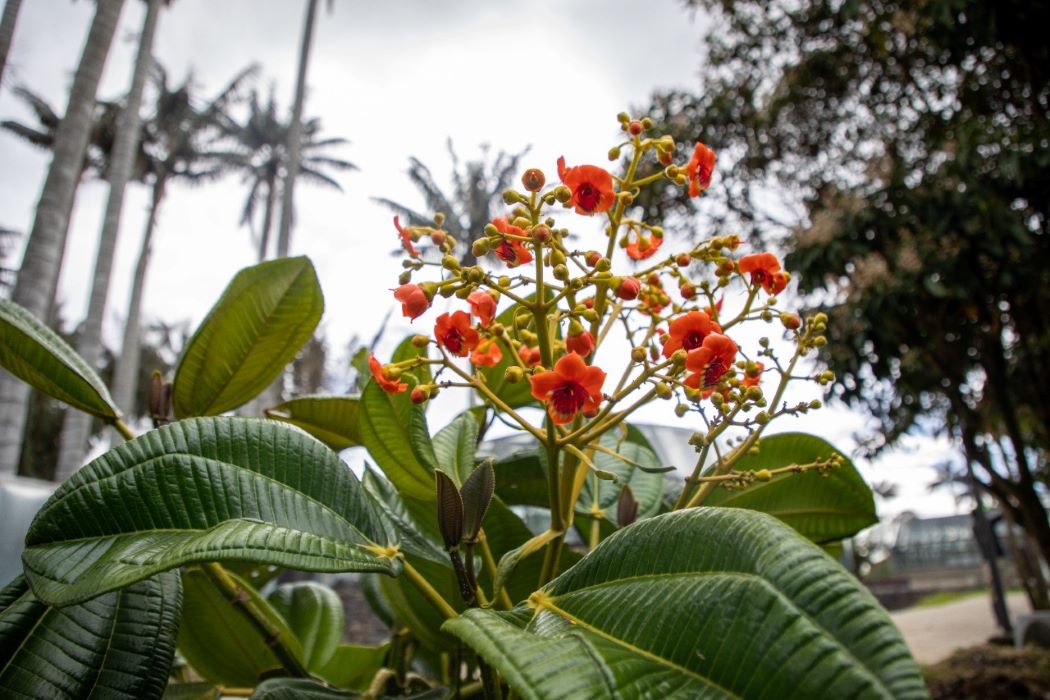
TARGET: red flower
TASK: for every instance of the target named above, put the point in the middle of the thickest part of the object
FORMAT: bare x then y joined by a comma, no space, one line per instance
629,288
710,362
699,169
509,250
414,301
483,306
530,357
455,333
487,354
765,270
571,387
688,332
754,380
390,386
643,247
406,239
582,344
591,187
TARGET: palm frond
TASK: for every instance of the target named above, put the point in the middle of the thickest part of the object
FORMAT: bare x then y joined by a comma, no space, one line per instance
318,178
26,133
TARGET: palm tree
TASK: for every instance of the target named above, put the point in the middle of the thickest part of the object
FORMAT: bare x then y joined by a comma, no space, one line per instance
477,187
38,275
7,32
123,158
184,144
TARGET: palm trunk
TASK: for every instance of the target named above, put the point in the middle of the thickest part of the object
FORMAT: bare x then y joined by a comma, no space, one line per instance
47,239
77,427
284,234
127,370
271,203
7,32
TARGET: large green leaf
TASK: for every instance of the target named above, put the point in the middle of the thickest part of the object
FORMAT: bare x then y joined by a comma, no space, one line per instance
824,508
264,317
205,489
647,487
454,447
217,639
306,689
330,419
119,645
353,666
37,355
515,394
315,614
398,441
703,603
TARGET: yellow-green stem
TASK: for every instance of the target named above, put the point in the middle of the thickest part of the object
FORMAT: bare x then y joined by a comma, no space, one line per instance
121,427
421,584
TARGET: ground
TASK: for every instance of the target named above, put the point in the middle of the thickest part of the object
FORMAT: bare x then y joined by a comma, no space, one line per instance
933,633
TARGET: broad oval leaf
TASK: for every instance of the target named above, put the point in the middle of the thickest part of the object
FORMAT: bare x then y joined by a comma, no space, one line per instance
330,419
454,446
118,645
315,615
823,508
397,439
702,603
264,317
217,639
204,489
647,486
38,356
353,666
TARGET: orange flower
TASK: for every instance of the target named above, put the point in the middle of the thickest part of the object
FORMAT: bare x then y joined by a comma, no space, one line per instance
487,354
571,387
455,333
756,379
530,357
699,169
709,362
414,301
688,332
406,239
591,187
483,306
509,250
765,270
582,344
643,246
390,386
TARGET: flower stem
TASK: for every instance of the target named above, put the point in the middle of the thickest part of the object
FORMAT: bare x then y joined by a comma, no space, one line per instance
428,591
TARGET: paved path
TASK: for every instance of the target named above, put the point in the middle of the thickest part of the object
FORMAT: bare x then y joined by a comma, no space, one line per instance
934,633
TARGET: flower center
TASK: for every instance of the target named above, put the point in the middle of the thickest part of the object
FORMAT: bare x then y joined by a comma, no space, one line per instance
761,277
693,340
568,398
714,371
587,196
454,341
505,252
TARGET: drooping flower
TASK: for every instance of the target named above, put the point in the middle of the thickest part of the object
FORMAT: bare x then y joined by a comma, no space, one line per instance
765,270
709,362
391,386
487,353
414,301
455,333
571,387
530,357
483,306
406,239
643,246
591,187
688,331
700,168
582,343
511,250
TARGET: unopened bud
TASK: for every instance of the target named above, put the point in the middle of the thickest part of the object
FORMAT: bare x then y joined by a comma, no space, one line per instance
449,262
635,128
663,391
405,277
687,291
683,260
419,395
511,197
681,409
533,180
513,375
437,237
614,153
561,272
763,475
541,233
420,341
791,321
638,354
562,193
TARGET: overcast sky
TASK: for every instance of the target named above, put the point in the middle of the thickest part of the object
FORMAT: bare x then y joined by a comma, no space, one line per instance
397,79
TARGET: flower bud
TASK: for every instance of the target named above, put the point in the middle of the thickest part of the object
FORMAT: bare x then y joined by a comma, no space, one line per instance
623,117
763,475
663,391
591,257
419,395
679,356
437,237
791,321
557,257
533,180
638,354
511,197
687,291
614,153
562,193
683,260
680,410
634,128
405,277
513,375
439,219
420,341
449,262
561,272
541,233
629,288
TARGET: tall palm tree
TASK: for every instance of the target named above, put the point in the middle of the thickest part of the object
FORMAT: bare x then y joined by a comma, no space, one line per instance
38,275
184,143
477,188
7,32
77,425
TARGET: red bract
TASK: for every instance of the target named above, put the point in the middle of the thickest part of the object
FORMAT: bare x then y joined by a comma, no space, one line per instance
643,247
688,331
571,387
581,344
487,354
530,357
406,239
455,333
509,250
591,187
414,302
709,363
765,270
483,306
699,169
390,386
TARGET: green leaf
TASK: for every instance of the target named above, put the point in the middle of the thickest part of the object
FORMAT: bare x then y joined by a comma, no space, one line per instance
454,447
517,394
702,603
218,641
521,478
205,489
647,487
264,317
353,666
330,419
191,691
315,614
823,508
393,440
119,645
38,356
306,689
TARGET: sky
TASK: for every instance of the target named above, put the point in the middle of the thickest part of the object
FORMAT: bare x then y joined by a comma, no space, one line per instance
397,79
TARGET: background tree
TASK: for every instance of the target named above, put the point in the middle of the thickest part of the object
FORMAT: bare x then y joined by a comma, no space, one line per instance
909,142
38,274
7,32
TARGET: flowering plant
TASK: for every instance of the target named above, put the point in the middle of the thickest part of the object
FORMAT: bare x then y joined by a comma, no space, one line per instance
636,584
